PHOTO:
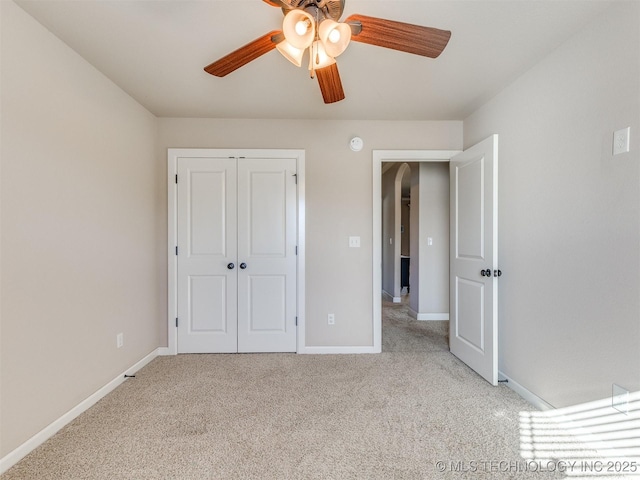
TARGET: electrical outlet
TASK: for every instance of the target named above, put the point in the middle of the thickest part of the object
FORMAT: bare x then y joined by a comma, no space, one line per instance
120,340
620,398
354,242
621,141
331,319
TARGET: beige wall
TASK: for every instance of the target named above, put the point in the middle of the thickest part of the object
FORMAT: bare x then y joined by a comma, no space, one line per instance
569,244
338,202
430,218
80,217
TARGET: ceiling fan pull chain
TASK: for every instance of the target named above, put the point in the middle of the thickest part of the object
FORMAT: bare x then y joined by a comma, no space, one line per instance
312,69
311,65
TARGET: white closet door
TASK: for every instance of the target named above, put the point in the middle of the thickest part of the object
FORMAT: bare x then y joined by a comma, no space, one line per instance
207,249
267,255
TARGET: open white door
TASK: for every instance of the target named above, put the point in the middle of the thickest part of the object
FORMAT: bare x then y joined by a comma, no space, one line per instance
473,336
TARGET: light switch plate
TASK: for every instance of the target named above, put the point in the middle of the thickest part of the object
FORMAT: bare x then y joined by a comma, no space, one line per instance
621,141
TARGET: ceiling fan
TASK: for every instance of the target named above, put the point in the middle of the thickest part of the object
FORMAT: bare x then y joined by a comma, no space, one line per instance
313,25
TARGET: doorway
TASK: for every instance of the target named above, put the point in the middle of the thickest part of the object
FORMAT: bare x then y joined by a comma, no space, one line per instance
473,256
396,192
380,157
415,231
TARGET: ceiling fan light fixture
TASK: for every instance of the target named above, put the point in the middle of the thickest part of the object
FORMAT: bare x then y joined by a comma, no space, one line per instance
318,57
335,36
314,25
296,21
302,27
291,53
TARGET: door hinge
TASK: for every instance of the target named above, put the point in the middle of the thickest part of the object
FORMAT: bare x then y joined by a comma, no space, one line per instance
296,321
295,175
176,178
176,322
296,249
176,250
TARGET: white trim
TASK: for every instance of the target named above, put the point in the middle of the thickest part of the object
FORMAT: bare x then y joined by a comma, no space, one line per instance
172,241
164,351
172,230
302,271
428,316
529,396
390,298
378,157
45,434
337,350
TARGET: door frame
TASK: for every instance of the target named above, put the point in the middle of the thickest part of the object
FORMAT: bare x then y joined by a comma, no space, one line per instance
400,156
172,230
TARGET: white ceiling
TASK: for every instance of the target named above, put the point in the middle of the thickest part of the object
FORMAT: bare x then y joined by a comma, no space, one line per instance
156,52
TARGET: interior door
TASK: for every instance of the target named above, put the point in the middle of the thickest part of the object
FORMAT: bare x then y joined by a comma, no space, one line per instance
473,336
207,252
237,264
267,255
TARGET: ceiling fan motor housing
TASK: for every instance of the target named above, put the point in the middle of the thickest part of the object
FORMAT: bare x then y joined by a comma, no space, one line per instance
331,9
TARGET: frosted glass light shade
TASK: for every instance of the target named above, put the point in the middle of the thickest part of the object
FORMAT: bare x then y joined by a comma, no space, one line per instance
297,21
335,36
318,57
291,53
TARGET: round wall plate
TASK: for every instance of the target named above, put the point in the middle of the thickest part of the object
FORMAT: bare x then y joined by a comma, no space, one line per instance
356,144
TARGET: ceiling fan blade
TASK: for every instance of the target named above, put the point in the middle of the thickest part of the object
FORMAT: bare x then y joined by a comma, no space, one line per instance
425,41
243,55
330,84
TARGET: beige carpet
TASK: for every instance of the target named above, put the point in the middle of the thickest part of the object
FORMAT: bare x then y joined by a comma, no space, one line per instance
287,416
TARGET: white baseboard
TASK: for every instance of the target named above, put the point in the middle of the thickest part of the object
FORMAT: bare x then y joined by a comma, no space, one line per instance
428,316
390,298
529,396
337,350
45,434
164,351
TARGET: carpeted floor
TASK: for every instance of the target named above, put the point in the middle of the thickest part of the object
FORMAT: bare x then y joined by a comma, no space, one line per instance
286,416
